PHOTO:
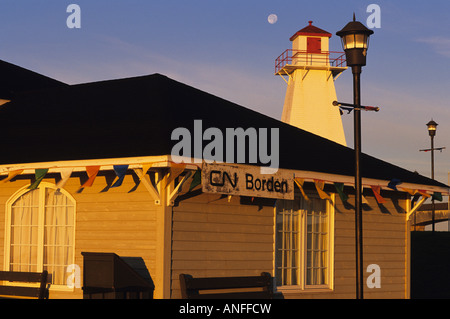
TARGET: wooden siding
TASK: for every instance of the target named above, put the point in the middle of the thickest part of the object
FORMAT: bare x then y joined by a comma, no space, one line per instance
120,220
385,240
214,237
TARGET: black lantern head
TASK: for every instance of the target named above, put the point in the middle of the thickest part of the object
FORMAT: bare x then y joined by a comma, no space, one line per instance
355,42
432,125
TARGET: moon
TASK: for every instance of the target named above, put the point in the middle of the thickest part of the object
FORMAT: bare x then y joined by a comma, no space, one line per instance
272,18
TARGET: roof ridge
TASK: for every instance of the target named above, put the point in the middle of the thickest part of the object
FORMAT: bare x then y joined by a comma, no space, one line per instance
311,30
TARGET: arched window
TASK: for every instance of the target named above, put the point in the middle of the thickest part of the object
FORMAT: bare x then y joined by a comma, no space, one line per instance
40,231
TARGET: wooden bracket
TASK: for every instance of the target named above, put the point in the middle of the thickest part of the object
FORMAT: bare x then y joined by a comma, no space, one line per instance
416,207
148,185
173,195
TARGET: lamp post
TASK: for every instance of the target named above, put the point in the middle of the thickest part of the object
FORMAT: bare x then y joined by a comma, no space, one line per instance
432,125
355,41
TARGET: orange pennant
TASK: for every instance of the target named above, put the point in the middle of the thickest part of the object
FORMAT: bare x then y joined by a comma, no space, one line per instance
411,192
92,172
376,191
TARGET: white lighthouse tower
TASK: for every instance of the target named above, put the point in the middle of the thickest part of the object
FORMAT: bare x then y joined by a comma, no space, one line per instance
310,69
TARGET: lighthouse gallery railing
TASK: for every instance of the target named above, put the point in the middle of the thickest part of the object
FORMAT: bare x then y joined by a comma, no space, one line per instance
297,57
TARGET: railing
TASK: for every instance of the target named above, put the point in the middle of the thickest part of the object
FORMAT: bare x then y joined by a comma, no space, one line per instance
302,57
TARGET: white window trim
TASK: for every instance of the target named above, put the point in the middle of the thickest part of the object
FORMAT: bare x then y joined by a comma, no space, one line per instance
7,245
302,287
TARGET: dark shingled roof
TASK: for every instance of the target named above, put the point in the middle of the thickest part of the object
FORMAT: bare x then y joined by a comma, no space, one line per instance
15,79
136,116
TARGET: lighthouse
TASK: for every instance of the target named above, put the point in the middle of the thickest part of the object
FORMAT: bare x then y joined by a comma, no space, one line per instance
310,69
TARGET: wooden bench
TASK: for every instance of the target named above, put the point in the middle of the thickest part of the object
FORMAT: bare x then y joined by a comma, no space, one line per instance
8,290
227,287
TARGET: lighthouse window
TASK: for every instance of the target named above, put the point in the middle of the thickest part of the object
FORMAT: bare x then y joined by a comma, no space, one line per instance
304,243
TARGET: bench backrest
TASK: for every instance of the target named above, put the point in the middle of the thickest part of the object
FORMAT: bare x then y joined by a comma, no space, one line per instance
191,288
40,292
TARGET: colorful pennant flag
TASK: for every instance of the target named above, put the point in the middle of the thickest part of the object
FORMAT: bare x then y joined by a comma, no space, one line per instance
92,172
39,176
65,175
437,196
120,171
393,183
364,200
145,168
319,186
340,190
12,174
300,182
376,191
411,192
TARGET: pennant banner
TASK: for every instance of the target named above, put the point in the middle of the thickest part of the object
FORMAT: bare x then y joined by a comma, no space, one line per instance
65,175
393,184
376,191
12,174
92,172
39,176
437,196
319,186
411,192
300,183
120,171
364,200
340,190
194,180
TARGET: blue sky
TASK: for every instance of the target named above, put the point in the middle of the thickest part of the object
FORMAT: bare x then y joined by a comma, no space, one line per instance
228,48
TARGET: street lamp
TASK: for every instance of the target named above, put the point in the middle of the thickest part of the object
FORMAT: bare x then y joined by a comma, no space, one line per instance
355,42
432,125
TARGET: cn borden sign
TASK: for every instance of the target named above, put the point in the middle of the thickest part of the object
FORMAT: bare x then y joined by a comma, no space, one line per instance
234,179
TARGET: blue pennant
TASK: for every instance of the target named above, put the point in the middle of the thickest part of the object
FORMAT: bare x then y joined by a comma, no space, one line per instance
120,171
393,183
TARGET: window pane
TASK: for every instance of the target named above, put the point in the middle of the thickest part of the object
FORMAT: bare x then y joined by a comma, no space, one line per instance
317,242
24,232
288,244
58,235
